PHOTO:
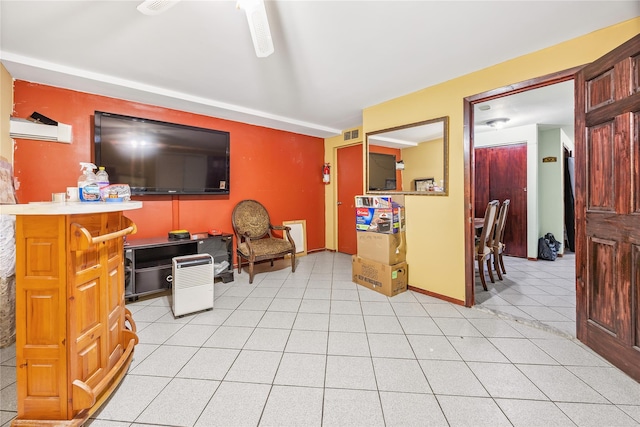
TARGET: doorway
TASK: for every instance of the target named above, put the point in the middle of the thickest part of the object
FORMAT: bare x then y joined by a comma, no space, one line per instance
606,180
479,131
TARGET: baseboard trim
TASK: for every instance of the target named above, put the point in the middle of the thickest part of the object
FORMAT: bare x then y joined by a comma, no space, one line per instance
436,295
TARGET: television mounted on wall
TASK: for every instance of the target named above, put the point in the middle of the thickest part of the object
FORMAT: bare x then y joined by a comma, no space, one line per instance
155,157
382,171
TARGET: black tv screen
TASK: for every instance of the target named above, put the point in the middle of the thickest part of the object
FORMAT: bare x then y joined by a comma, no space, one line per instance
155,157
382,171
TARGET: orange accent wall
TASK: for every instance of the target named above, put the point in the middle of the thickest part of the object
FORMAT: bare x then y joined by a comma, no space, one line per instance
282,170
394,152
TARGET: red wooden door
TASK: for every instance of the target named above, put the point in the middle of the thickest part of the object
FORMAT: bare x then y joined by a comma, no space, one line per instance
481,181
608,206
501,173
349,181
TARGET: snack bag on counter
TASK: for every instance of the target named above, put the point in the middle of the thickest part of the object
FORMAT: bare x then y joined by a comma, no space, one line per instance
117,192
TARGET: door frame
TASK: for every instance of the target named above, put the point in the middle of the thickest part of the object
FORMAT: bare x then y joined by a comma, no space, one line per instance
469,160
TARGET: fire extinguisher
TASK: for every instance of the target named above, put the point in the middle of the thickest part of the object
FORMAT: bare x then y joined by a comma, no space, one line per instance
326,173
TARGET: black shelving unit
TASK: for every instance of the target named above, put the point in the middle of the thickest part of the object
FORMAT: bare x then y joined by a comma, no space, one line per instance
148,262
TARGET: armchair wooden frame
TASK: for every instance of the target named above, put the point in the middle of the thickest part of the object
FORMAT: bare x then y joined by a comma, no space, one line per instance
255,241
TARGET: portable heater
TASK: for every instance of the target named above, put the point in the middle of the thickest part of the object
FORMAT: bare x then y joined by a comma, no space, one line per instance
192,287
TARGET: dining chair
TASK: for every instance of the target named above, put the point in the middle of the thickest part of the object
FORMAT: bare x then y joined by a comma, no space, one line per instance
484,246
498,240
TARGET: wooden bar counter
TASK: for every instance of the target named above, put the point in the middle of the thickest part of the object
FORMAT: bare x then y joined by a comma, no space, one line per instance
74,336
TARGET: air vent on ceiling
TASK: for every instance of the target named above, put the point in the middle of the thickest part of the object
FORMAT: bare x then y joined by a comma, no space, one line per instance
351,134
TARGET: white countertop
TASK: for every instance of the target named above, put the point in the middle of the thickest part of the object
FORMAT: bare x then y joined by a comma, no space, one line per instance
67,208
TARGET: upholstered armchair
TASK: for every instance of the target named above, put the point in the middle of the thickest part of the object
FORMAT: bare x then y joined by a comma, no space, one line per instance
254,238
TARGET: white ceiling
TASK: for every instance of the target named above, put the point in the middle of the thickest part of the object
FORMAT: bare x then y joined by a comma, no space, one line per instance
332,58
550,107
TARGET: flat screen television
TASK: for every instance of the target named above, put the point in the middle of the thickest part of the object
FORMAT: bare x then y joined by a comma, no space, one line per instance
155,157
382,171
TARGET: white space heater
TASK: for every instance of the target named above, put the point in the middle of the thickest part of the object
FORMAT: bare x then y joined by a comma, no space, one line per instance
192,287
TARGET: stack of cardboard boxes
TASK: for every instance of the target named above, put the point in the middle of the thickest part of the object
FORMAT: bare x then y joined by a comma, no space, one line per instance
381,260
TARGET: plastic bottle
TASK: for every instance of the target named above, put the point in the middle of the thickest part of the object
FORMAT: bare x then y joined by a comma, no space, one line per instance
102,178
88,189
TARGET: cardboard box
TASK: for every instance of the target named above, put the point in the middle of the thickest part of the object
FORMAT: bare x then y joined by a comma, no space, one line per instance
388,280
381,220
384,248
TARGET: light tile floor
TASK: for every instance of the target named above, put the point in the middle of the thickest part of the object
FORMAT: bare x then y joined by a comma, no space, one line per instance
540,293
312,348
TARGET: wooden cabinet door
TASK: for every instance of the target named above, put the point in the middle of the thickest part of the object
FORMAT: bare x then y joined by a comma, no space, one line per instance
41,311
96,303
113,253
88,306
608,206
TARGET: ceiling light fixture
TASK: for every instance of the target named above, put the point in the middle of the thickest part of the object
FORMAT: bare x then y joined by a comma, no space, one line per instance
497,123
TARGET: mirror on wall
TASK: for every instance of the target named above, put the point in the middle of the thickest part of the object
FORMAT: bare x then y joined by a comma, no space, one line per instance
409,159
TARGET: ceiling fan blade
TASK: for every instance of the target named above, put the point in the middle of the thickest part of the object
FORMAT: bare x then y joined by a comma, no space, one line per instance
156,7
258,26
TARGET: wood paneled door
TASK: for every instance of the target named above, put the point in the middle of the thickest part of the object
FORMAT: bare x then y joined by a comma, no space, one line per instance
501,173
608,206
349,181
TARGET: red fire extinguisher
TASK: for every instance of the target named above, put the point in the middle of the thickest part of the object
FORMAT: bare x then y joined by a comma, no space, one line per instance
326,173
